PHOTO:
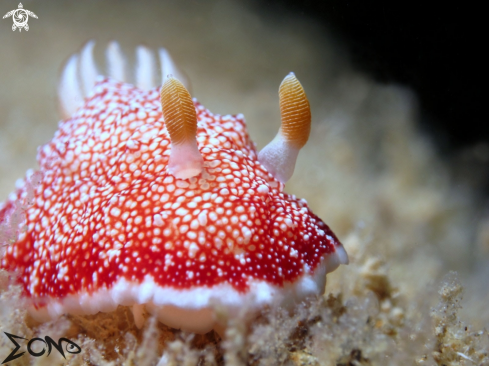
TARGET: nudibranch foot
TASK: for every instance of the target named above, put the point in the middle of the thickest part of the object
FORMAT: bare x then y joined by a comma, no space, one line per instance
191,309
138,314
147,199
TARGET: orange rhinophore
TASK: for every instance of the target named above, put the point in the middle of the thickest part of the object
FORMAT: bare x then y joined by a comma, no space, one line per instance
181,123
295,111
280,155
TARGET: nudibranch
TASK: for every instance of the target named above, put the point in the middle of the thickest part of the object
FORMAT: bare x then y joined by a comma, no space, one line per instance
147,199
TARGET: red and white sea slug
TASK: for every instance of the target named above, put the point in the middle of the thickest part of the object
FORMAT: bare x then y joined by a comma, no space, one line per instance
147,199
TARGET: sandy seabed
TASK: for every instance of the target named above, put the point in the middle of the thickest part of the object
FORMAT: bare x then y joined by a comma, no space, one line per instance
416,287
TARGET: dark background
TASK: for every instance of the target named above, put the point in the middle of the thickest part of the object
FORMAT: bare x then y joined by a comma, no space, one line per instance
434,48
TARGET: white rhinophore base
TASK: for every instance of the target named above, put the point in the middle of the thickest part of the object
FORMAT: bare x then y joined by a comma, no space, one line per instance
185,160
279,158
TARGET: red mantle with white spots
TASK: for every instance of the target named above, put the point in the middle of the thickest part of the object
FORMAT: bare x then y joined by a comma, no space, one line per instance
107,210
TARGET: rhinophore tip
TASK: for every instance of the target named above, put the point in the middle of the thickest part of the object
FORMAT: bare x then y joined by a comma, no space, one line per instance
181,123
280,155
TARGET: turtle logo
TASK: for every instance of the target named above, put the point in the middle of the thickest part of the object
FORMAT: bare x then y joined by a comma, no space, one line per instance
20,17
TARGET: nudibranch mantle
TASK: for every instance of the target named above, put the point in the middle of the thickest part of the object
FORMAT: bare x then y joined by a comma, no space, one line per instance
109,225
